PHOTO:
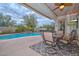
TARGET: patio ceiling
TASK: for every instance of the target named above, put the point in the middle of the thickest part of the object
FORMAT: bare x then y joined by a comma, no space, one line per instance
48,9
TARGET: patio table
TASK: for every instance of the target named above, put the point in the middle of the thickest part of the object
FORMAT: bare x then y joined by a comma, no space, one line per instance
56,38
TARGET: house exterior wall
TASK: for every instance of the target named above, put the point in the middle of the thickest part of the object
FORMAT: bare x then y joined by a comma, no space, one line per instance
67,19
7,29
68,29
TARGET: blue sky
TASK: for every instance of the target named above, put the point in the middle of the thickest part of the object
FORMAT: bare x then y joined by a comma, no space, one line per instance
17,11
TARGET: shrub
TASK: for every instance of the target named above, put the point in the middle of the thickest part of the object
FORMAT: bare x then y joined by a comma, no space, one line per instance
5,32
20,29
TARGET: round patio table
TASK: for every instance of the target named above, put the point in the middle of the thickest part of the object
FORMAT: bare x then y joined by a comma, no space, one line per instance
56,38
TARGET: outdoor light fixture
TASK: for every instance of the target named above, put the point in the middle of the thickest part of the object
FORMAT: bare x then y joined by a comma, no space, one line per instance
74,20
62,7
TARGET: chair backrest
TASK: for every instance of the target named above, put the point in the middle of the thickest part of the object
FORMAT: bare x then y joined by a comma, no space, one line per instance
66,37
60,33
47,37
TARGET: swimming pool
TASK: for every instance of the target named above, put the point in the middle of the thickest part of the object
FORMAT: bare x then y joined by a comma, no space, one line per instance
11,36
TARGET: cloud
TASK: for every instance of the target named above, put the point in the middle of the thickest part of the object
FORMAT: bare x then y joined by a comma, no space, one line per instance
17,11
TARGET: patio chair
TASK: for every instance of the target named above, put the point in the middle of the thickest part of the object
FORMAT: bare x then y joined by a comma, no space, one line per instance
47,38
69,40
65,39
49,43
59,39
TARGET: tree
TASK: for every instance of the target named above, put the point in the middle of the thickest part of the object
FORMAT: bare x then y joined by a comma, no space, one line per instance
1,20
6,20
48,27
9,21
30,22
20,28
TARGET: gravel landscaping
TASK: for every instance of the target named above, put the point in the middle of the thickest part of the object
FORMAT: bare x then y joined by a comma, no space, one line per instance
47,50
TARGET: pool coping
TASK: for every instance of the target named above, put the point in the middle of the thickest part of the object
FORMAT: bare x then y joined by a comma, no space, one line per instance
8,34
19,38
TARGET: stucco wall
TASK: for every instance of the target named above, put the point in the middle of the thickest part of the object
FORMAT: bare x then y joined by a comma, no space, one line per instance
7,29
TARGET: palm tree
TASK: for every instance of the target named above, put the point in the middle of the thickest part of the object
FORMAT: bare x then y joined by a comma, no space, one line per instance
30,22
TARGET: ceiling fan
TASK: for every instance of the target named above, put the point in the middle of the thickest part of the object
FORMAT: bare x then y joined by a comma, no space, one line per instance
61,6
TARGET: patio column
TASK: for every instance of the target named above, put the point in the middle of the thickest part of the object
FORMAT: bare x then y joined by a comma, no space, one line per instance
56,25
78,28
67,29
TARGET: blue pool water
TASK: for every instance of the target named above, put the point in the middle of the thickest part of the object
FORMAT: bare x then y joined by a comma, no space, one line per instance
11,36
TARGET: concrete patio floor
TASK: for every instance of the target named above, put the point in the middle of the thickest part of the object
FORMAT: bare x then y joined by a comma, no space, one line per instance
19,47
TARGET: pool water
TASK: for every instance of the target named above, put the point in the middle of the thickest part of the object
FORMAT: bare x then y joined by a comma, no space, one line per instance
11,36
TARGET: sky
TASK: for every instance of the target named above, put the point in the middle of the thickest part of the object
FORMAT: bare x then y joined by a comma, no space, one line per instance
17,11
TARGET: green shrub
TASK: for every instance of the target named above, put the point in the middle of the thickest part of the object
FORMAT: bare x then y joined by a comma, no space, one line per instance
20,29
6,32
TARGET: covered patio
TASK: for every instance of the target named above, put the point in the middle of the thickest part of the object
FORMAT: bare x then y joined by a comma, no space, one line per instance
57,12
66,17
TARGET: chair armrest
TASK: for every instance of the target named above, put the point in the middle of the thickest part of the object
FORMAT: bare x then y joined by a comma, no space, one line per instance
64,41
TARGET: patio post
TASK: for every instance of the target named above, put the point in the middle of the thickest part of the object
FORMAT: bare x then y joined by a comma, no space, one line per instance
78,25
56,25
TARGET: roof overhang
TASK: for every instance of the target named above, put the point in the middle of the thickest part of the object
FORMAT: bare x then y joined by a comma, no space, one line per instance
42,9
47,9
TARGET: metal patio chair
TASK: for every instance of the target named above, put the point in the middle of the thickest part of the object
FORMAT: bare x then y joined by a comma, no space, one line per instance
49,42
68,42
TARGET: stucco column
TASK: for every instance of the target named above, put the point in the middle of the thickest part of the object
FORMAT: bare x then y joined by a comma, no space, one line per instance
78,28
67,29
56,25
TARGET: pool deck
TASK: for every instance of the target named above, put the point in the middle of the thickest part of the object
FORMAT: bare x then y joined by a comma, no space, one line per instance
19,47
